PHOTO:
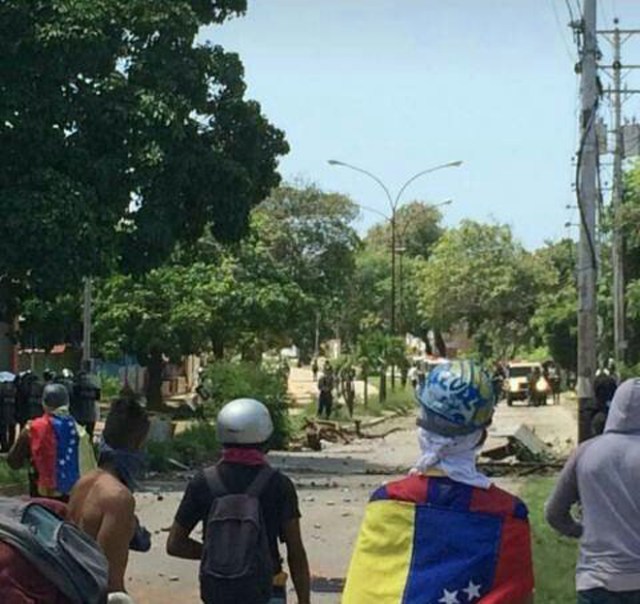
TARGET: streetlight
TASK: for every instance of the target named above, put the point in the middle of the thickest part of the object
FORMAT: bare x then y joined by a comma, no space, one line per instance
393,205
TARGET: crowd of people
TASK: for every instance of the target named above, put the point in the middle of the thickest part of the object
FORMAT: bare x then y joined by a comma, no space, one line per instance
443,534
21,400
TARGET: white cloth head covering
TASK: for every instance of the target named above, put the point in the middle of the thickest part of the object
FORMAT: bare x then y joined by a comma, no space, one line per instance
453,455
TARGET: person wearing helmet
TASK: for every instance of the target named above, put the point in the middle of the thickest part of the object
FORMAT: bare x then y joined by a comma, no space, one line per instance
56,447
85,398
403,554
244,428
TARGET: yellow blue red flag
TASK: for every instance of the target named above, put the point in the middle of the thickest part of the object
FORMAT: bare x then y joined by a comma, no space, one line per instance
431,540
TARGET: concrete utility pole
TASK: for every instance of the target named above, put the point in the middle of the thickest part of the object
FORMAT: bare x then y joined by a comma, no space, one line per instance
617,248
617,37
86,324
588,194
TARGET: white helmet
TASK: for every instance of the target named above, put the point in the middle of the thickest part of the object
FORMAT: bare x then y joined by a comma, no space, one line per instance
244,421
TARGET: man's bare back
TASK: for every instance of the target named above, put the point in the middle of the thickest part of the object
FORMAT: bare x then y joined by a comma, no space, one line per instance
104,508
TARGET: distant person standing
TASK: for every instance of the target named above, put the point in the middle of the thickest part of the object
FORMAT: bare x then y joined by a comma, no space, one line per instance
552,374
314,369
603,476
7,414
326,384
605,386
29,398
412,376
86,395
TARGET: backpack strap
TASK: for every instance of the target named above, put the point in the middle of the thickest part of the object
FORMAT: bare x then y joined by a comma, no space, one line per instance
260,481
214,482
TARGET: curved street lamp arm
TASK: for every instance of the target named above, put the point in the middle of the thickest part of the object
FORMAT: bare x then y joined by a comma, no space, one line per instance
378,212
335,162
452,164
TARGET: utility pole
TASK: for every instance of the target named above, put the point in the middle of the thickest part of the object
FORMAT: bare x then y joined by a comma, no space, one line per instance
617,248
86,325
588,193
617,38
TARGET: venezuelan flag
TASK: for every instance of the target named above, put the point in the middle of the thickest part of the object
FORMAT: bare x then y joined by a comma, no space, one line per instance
60,452
427,540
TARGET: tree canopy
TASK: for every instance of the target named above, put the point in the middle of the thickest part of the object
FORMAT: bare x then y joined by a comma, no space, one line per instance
479,279
418,229
120,135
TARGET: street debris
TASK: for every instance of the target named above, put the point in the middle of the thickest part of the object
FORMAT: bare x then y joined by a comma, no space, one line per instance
333,585
522,444
316,431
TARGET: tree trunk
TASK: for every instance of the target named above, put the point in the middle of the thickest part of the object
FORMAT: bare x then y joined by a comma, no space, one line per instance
217,343
154,381
7,347
383,384
440,343
365,394
427,342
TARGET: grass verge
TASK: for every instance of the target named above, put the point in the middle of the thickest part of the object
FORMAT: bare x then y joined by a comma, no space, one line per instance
554,557
10,478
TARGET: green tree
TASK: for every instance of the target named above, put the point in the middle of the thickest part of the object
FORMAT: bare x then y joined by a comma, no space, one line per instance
308,233
555,321
178,309
479,279
418,229
120,135
629,220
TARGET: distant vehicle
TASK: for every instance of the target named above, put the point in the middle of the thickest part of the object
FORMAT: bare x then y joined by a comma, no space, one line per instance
516,386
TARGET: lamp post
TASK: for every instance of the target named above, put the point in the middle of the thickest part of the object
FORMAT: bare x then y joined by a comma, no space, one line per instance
393,205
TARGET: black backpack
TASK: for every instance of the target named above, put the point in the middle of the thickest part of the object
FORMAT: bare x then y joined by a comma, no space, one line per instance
67,557
236,565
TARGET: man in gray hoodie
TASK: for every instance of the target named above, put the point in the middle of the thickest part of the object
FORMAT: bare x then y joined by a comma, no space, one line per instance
603,475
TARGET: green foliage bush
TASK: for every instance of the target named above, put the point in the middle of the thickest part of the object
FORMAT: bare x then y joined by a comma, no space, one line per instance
11,477
110,387
196,446
629,371
227,381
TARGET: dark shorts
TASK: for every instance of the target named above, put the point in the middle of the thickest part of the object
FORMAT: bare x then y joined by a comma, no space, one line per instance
602,596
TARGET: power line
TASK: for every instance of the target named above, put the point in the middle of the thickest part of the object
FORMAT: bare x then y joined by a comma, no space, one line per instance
568,4
566,45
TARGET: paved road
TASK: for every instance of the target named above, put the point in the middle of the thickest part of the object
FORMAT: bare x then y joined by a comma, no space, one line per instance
333,487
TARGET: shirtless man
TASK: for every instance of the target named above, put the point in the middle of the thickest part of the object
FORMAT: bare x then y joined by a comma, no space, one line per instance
102,503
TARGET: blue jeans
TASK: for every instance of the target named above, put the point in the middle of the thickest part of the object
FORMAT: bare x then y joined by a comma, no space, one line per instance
602,596
279,596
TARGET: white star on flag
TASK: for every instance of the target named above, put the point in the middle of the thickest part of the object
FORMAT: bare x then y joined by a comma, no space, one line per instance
473,591
450,597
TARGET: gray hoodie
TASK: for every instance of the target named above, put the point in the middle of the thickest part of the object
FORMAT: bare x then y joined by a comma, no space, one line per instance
603,474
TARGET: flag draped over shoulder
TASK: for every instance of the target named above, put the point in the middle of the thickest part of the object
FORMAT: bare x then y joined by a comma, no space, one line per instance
60,452
435,541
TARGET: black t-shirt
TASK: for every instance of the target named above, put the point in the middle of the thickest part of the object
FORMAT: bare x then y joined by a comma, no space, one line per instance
279,501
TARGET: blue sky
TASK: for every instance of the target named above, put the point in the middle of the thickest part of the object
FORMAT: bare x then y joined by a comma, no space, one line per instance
397,86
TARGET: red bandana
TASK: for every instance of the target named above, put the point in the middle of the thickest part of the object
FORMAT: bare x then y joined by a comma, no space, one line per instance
247,457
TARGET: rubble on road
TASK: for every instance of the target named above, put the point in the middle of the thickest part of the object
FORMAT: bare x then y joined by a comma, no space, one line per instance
522,444
334,585
316,431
